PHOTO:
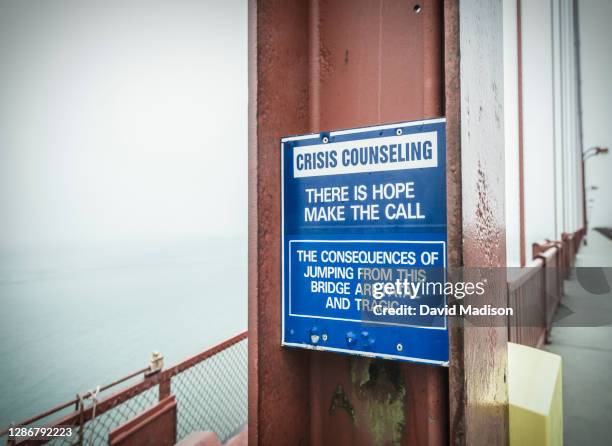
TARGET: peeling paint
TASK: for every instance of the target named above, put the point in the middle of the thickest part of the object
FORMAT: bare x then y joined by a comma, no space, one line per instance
379,386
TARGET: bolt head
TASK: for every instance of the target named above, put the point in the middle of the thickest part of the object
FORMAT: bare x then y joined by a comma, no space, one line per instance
351,339
315,335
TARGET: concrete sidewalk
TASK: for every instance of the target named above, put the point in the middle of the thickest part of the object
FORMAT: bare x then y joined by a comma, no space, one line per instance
587,352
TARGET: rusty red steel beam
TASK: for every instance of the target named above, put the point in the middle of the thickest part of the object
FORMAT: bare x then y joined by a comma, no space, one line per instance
312,69
478,384
375,62
452,109
454,203
319,66
278,106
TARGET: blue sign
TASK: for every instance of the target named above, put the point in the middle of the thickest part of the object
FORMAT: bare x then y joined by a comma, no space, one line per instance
363,238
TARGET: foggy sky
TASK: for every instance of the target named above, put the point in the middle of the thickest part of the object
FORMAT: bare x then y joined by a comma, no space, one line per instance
122,119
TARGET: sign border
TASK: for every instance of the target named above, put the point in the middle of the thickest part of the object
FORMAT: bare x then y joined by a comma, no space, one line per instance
353,352
421,242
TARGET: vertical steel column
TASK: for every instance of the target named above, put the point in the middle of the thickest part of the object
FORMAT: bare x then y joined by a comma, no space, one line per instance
323,65
374,62
279,396
576,16
456,378
477,382
519,43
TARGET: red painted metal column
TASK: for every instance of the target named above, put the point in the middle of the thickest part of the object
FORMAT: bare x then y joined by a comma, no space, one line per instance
279,396
374,62
323,65
478,357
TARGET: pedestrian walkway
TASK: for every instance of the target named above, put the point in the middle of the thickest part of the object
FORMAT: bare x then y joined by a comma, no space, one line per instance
587,351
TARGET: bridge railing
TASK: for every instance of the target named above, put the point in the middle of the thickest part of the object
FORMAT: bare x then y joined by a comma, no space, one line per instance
535,291
210,390
526,297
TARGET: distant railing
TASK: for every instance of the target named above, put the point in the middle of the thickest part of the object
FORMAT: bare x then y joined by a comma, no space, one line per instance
210,390
527,325
553,282
535,292
571,242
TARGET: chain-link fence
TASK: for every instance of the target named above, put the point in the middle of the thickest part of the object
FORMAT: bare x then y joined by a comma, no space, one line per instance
210,390
212,395
96,430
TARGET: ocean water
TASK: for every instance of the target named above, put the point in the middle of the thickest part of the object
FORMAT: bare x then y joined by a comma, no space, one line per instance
72,318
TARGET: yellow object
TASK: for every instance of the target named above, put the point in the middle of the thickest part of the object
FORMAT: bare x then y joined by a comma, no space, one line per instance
535,395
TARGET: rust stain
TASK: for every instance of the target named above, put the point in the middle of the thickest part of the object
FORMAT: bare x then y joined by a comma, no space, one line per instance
486,235
325,63
340,400
380,389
